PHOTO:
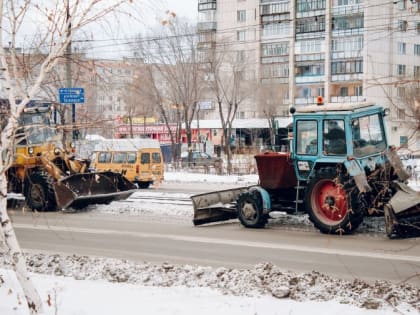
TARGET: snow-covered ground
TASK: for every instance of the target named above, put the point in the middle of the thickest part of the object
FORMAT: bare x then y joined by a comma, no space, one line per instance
71,285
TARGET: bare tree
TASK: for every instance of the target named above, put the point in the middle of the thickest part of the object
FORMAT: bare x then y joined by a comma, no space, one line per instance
172,53
137,100
407,106
61,21
227,82
270,99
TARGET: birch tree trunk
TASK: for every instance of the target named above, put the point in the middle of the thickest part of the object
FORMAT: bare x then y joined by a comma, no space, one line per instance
11,245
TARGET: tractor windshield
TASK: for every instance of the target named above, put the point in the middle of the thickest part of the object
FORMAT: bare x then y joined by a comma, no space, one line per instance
368,135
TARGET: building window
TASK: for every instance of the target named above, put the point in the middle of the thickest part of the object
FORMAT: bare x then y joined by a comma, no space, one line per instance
273,8
358,90
402,25
416,72
240,35
401,114
312,24
241,15
416,50
307,93
344,67
275,29
347,22
402,4
401,69
240,56
275,49
400,91
403,141
321,91
310,70
418,27
347,43
309,5
344,91
401,48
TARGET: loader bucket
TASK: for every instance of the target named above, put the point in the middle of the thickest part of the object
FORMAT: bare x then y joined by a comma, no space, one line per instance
402,213
80,190
216,206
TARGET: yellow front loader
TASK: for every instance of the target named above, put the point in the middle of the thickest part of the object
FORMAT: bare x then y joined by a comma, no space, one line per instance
49,176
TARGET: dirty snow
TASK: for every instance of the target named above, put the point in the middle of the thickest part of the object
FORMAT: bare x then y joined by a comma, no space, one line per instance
79,285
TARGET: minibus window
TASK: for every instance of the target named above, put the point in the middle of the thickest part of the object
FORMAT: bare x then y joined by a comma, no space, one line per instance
119,157
104,157
131,158
145,158
156,158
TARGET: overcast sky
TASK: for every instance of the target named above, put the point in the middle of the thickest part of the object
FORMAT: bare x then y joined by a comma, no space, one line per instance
184,8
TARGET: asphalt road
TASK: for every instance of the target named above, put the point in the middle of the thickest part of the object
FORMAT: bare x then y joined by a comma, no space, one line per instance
229,244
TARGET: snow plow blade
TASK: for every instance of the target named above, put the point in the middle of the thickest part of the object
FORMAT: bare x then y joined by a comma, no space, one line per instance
402,213
80,190
216,206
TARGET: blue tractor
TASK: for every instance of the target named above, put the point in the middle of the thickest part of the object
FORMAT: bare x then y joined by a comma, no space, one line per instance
340,169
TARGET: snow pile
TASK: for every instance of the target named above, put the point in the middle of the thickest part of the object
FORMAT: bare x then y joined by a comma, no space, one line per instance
262,280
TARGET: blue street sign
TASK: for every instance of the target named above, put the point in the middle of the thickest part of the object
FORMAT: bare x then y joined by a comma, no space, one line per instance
71,95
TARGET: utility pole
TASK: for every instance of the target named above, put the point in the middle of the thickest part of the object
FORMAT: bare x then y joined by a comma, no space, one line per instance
69,112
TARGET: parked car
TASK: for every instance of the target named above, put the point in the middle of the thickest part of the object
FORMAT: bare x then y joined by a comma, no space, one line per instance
199,158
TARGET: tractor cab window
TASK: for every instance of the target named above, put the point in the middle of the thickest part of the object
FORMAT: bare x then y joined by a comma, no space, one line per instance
367,135
307,137
334,137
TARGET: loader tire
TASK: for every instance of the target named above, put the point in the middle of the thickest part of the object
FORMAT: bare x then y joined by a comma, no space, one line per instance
39,191
250,210
331,208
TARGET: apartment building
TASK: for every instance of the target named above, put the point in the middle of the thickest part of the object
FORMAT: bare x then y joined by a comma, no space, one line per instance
343,50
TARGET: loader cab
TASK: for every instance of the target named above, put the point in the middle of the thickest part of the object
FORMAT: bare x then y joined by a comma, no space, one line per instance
35,134
331,134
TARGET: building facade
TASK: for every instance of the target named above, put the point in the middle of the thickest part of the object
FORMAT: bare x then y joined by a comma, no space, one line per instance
343,50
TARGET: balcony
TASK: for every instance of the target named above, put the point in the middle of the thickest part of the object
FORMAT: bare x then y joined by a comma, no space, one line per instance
347,99
308,8
347,54
206,45
309,57
204,5
347,77
274,8
206,26
347,9
305,101
310,79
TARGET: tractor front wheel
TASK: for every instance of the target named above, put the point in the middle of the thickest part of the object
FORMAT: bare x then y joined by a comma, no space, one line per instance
330,207
250,210
39,191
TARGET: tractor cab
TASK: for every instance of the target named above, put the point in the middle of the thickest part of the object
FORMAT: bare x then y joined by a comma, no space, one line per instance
331,134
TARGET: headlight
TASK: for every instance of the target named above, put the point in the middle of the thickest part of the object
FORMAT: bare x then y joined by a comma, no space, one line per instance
56,151
72,145
31,150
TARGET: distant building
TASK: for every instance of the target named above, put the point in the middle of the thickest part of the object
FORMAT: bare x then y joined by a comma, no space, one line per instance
343,50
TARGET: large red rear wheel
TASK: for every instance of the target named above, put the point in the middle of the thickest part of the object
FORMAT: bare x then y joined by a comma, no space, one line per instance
331,208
